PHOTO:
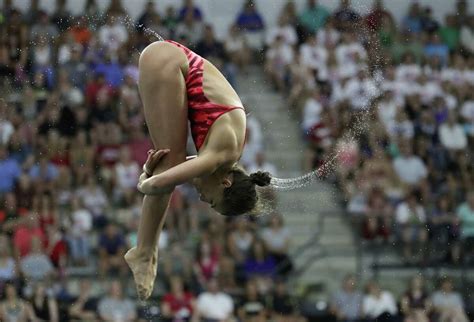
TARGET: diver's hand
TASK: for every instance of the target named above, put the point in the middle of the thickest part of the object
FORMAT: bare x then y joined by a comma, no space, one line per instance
154,158
151,186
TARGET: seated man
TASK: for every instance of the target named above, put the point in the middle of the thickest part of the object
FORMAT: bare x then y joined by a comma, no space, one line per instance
111,250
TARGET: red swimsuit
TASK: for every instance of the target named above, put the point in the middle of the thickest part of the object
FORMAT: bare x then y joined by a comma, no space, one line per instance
202,113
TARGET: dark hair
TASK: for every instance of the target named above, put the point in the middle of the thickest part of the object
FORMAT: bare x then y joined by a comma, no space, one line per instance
242,197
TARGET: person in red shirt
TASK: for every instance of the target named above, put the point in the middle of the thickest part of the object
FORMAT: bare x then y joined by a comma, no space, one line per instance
25,233
178,304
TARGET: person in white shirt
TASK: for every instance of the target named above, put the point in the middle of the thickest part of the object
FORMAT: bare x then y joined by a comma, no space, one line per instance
79,232
328,35
410,168
350,51
311,112
213,304
313,55
452,135
378,304
360,91
113,34
466,36
127,172
279,56
283,29
410,217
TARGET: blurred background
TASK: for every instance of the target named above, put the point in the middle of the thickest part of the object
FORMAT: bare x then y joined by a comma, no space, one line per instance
377,96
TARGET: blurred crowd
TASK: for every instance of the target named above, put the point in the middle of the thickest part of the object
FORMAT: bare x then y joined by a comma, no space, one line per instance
388,105
386,108
72,143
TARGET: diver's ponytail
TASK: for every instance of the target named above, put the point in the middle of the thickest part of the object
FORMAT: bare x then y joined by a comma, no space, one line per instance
260,178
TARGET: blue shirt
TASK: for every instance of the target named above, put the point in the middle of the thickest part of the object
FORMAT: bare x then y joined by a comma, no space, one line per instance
250,21
50,174
412,24
113,73
9,172
440,50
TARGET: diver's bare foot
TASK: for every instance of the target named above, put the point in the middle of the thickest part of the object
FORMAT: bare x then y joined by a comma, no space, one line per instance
144,271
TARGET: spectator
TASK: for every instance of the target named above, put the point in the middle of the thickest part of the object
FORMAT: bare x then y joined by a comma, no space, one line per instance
178,303
127,172
467,36
378,215
465,213
345,16
452,135
189,7
283,29
346,303
409,167
24,234
240,240
313,17
94,200
259,265
79,232
436,48
81,31
36,265
207,263
236,48
44,29
14,308
252,304
45,306
378,305
411,221
85,306
276,239
260,164
428,22
449,33
61,16
10,170
213,304
211,49
251,23
190,29
377,16
111,250
448,303
416,299
112,35
283,306
314,55
445,226
115,307
8,267
147,16
411,23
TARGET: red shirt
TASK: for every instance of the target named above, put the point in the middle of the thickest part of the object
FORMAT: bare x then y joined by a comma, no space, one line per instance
177,305
23,236
108,154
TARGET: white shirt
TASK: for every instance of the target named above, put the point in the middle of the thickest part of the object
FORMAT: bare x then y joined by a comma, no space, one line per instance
410,169
82,222
314,57
280,56
311,113
288,33
467,38
349,52
467,110
217,306
6,131
328,37
373,307
113,36
408,73
360,92
127,175
452,137
403,213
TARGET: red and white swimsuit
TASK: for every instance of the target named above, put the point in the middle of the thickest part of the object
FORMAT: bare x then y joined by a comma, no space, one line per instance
202,113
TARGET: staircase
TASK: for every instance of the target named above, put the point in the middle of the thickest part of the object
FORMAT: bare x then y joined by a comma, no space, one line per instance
302,209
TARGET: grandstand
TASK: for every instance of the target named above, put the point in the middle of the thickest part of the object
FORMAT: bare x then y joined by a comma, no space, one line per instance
378,94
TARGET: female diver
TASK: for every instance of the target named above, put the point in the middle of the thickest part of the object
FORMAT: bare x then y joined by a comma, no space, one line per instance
175,85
